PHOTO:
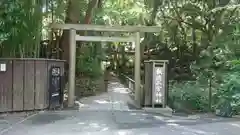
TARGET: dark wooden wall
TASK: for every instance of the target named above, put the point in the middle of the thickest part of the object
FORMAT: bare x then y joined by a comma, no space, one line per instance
25,84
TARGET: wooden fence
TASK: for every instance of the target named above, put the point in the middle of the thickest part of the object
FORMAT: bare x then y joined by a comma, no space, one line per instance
24,83
130,83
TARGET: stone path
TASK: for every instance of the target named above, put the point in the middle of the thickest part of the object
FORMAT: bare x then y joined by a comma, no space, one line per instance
110,114
115,99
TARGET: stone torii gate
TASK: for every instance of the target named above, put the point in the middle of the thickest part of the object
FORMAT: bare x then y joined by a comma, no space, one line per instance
135,39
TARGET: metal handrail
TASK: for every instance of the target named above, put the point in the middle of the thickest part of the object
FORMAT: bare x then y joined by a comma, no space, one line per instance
128,78
131,83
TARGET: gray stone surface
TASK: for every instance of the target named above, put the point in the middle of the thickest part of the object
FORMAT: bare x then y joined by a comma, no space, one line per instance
8,120
164,111
109,114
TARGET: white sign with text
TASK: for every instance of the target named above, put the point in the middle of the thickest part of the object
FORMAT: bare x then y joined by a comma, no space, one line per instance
3,67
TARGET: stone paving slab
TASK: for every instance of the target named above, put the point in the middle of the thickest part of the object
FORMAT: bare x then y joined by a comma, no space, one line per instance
9,119
109,114
105,123
115,99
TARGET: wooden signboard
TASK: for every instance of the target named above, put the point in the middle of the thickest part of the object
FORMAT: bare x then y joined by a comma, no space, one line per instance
155,85
158,84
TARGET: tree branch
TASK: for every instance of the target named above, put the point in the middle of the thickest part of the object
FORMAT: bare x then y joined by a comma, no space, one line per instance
182,21
92,4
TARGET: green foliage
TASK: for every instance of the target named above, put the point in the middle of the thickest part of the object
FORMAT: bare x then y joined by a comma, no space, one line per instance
217,58
229,89
20,24
190,95
88,66
89,63
221,64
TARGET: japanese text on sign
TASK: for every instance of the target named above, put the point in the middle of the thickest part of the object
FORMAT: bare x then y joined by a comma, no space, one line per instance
159,88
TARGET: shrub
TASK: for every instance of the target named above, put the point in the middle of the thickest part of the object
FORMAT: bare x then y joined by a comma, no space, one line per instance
189,96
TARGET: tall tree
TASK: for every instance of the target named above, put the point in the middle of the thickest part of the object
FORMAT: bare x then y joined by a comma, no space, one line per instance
73,14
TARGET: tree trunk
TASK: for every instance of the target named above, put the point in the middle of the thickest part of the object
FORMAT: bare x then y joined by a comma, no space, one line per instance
194,40
87,20
72,16
123,57
91,6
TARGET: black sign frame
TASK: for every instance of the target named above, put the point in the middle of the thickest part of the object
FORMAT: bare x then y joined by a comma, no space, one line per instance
55,87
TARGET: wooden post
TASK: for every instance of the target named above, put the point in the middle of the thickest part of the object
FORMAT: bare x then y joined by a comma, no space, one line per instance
210,94
137,68
72,65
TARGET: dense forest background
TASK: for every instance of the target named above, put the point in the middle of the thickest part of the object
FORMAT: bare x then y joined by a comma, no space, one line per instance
200,38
